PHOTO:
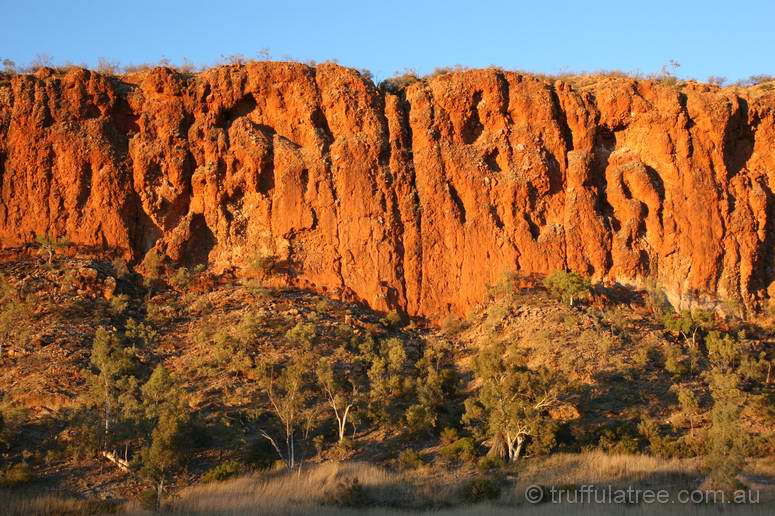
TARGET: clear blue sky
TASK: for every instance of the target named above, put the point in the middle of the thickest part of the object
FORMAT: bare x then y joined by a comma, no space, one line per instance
730,38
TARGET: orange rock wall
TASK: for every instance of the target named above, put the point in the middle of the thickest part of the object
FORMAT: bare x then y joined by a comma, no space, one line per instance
415,201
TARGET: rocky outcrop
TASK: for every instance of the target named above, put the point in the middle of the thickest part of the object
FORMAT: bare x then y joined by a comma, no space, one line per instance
415,200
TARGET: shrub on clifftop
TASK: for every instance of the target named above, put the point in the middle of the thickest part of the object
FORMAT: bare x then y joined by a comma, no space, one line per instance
568,286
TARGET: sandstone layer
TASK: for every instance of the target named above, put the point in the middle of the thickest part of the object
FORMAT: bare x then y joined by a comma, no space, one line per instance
414,200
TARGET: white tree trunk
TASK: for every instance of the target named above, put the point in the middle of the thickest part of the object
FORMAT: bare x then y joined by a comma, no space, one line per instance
112,457
513,451
160,491
518,451
343,423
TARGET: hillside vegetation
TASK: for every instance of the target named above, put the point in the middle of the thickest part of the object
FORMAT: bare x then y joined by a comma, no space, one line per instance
189,391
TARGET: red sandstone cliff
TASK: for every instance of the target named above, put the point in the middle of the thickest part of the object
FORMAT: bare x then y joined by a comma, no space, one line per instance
417,200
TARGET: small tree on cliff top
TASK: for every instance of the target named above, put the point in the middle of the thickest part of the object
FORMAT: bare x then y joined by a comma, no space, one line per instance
261,265
568,286
690,325
49,245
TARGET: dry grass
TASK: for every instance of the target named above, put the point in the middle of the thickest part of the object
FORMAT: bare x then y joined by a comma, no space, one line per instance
597,467
423,492
600,467
431,492
289,493
26,503
638,471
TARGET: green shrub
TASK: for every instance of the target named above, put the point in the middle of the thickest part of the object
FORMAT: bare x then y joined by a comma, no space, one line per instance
49,245
17,475
647,355
120,268
489,463
344,448
257,289
347,493
140,335
676,363
568,286
409,459
420,419
53,456
223,471
181,279
449,436
261,265
722,350
452,325
149,500
544,442
303,334
16,316
156,312
665,444
727,440
153,265
620,438
398,83
323,305
689,324
690,405
85,432
119,303
480,489
461,450
393,319
605,342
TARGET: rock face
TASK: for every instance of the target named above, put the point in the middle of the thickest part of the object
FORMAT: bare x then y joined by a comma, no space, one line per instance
415,200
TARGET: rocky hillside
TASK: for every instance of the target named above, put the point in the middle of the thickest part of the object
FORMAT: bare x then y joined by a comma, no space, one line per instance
620,365
413,196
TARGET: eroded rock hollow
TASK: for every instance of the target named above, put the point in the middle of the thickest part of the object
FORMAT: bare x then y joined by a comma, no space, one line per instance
415,200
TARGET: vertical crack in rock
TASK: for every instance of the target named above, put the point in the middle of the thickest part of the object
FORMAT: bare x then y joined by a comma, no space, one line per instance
407,196
688,123
764,264
604,146
472,128
321,123
562,120
3,209
393,177
460,209
739,136
242,108
84,186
